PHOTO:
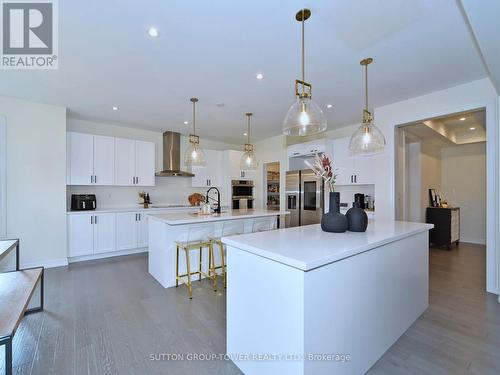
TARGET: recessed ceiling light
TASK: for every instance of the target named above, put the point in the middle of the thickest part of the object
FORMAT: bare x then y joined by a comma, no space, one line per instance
220,105
186,122
259,76
462,118
115,108
472,128
153,32
245,134
329,105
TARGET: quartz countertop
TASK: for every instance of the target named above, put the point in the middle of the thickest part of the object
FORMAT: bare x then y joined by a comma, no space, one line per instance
308,247
137,208
179,218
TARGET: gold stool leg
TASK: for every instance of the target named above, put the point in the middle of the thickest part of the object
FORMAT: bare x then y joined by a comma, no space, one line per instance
214,274
221,246
188,271
177,266
199,265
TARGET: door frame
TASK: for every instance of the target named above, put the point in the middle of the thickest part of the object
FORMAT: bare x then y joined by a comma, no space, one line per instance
492,185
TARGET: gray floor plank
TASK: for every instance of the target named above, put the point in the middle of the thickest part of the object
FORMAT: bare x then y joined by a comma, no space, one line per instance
111,316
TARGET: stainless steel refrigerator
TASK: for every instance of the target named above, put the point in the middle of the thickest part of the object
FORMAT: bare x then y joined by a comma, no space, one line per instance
304,198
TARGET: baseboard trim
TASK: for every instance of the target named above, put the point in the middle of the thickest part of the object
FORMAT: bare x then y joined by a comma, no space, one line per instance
474,241
85,258
52,263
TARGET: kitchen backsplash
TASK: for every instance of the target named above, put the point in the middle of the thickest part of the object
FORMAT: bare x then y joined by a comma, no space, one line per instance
168,190
347,192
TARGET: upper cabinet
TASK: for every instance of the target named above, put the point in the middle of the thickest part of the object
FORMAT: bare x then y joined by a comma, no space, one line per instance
135,162
91,159
352,170
212,173
100,160
232,166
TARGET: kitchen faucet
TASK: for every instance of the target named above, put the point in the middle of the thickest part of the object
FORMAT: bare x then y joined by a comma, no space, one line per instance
217,210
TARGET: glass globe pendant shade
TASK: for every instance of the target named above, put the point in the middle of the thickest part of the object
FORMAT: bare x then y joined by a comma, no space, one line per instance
367,140
194,156
248,161
304,117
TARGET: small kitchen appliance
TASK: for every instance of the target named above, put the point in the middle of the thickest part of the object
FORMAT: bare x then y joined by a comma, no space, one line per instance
83,202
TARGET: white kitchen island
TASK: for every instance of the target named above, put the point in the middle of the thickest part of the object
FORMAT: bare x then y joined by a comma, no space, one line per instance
303,301
165,229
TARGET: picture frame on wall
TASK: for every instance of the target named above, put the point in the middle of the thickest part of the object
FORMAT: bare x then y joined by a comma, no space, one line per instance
432,198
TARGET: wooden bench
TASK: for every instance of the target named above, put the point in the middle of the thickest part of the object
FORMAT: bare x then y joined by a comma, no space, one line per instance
16,290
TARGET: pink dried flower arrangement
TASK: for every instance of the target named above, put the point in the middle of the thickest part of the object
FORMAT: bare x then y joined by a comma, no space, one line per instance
322,167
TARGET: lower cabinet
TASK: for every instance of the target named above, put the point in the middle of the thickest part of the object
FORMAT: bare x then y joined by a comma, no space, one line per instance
90,234
131,230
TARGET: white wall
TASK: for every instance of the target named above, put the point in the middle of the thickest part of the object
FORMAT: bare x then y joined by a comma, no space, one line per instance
463,183
36,180
168,190
472,95
3,180
430,168
414,184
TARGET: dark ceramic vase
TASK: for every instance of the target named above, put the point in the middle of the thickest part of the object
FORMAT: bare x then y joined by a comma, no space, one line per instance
334,221
357,219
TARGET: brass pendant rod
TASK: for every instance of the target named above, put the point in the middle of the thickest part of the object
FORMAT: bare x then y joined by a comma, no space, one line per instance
194,101
248,114
366,87
303,48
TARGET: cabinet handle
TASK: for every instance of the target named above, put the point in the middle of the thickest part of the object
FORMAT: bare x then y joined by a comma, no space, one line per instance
135,217
95,179
356,179
139,217
351,179
91,179
91,219
137,180
95,219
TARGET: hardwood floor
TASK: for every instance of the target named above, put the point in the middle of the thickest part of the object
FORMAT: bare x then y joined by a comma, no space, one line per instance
110,316
460,331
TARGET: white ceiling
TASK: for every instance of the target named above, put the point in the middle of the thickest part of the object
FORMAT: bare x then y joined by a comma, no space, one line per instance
213,49
463,128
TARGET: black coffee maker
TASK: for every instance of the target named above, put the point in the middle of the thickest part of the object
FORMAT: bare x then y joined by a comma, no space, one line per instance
359,200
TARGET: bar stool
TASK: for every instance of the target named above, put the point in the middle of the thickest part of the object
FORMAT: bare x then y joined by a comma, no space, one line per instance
197,237
229,228
263,224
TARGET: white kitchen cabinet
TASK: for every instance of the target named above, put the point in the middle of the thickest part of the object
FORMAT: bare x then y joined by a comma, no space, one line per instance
91,159
342,162
232,165
124,162
134,162
91,234
80,235
131,230
145,163
212,173
101,160
81,159
104,233
359,170
142,231
126,230
104,160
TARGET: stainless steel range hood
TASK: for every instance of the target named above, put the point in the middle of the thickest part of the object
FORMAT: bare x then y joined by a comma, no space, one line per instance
172,156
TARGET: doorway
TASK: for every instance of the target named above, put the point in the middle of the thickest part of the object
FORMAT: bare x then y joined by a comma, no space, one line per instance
272,189
441,167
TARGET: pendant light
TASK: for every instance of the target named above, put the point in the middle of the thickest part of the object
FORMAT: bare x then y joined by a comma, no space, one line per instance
304,117
194,156
367,140
248,161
